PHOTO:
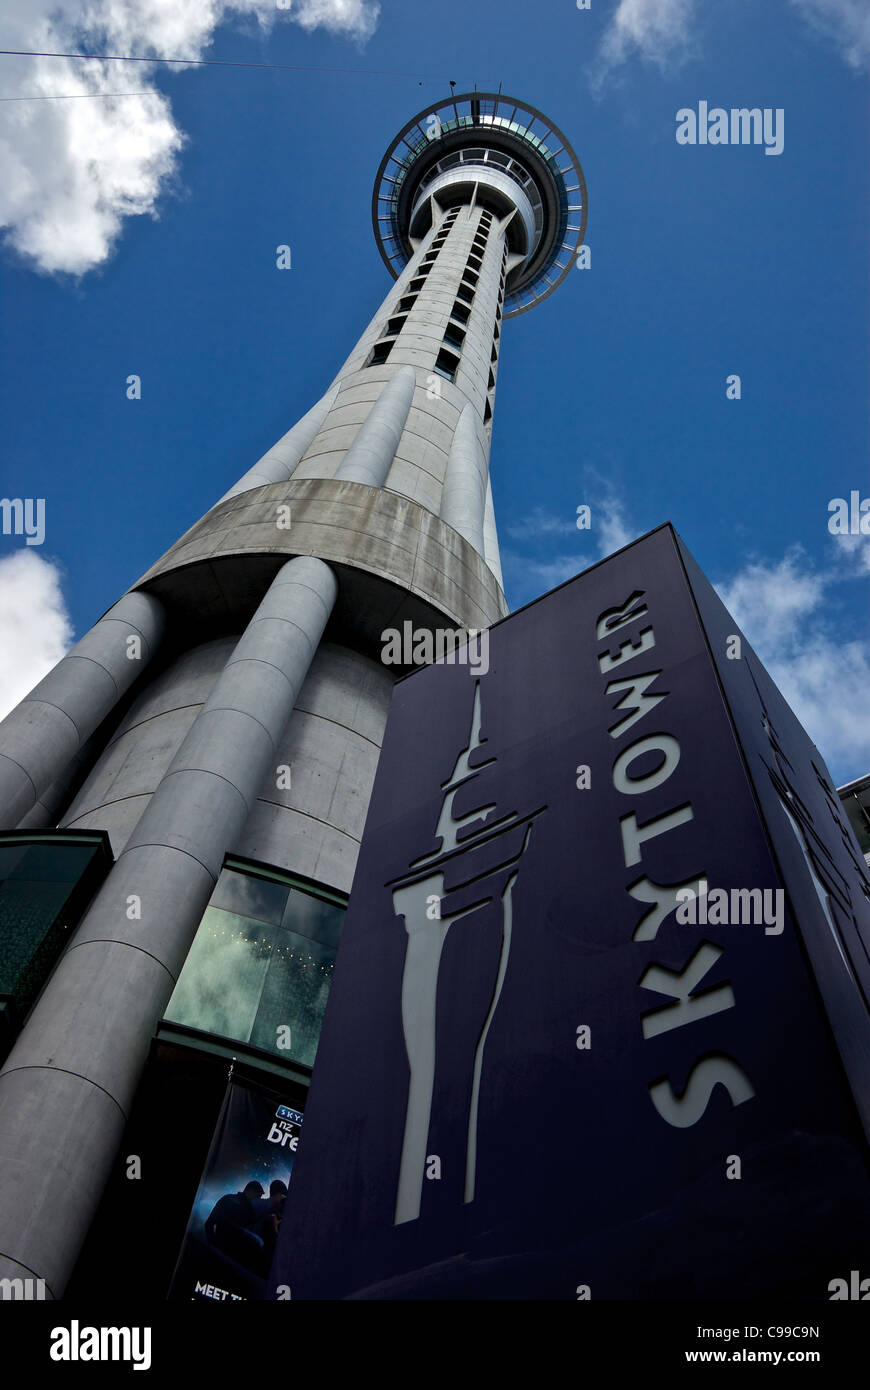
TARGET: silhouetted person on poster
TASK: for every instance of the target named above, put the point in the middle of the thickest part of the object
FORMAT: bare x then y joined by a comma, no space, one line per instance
272,1217
232,1226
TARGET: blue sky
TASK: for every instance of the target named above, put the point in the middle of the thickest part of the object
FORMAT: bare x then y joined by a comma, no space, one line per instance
141,234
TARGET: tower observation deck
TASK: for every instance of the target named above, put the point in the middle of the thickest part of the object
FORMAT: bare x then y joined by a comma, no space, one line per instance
233,701
493,152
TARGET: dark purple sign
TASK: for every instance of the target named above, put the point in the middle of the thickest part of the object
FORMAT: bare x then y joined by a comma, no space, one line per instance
575,1046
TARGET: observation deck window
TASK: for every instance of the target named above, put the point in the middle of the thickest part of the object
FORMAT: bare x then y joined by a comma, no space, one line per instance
380,352
446,364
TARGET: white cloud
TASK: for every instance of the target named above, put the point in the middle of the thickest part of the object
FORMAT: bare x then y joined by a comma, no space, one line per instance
72,170
782,608
613,532
661,31
530,576
541,522
655,30
356,18
846,23
855,551
35,628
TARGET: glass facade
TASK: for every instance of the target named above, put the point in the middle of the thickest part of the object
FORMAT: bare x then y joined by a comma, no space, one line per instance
855,797
46,880
261,963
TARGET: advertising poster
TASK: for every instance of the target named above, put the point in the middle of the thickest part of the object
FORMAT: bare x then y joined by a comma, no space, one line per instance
233,1227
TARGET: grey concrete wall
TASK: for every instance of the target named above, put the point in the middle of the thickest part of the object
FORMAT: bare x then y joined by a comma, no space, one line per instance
373,449
463,499
331,743
121,782
490,537
419,465
376,531
421,455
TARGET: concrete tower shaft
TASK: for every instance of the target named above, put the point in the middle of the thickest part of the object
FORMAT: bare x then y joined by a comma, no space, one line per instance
259,640
443,322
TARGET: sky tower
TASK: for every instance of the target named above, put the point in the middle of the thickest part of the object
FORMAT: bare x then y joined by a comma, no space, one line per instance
213,739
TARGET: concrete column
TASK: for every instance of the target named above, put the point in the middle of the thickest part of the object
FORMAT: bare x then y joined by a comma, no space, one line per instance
67,1085
463,498
491,553
48,810
277,465
40,736
369,457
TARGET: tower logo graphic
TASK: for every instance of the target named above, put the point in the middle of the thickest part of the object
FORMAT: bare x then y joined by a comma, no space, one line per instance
476,862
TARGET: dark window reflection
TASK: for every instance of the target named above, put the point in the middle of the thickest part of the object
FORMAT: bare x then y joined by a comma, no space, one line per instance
249,896
260,966
45,883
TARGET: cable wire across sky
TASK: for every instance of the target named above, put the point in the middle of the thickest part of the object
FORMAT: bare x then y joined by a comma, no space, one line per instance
216,63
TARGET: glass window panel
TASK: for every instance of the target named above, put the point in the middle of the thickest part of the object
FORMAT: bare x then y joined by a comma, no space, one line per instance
27,913
244,978
43,886
313,917
219,988
53,863
294,995
10,857
250,896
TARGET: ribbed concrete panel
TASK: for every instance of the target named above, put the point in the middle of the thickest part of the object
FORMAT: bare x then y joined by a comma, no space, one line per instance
349,690
47,811
413,482
369,457
437,426
331,746
117,790
424,454
321,465
317,850
355,409
463,499
118,818
490,538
